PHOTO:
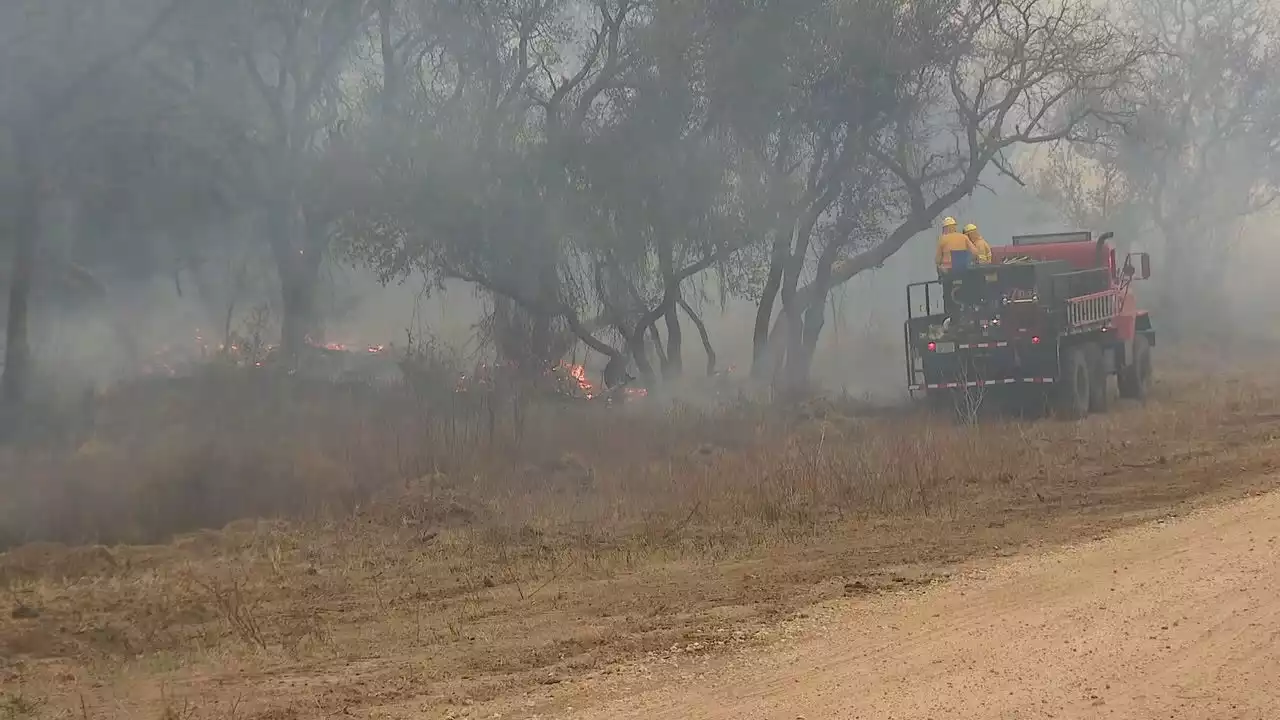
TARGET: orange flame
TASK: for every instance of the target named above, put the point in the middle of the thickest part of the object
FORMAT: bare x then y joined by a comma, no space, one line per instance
579,375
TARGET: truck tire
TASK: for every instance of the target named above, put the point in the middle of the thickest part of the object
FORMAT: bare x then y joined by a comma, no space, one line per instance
1098,397
1135,378
1073,386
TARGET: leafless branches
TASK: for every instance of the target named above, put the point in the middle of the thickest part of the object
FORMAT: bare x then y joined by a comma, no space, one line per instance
590,159
1194,151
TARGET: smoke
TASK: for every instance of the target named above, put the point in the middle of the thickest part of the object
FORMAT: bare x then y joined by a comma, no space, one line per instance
144,326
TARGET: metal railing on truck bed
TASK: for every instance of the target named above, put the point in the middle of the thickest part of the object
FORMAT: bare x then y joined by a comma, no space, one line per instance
1088,298
1087,311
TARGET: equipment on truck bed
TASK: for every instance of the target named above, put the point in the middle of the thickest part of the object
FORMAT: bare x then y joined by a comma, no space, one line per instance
1050,319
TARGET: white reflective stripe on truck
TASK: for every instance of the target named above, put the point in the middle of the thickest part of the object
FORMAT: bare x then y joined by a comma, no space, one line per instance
974,383
980,383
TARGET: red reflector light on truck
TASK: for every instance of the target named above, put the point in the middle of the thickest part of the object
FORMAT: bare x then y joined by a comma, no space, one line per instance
1035,340
933,346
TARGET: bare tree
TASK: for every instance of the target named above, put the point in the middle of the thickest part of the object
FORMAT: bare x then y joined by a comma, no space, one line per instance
1023,72
46,104
504,97
660,205
803,133
270,76
1196,155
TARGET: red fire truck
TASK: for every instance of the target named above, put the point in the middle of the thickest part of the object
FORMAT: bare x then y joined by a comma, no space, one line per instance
1046,323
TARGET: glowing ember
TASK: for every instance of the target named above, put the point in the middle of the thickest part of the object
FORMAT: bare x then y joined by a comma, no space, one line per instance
180,358
481,378
345,347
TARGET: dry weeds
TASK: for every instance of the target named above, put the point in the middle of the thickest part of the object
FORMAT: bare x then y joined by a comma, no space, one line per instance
424,559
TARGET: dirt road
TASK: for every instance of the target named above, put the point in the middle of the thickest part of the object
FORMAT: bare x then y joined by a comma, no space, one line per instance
1180,619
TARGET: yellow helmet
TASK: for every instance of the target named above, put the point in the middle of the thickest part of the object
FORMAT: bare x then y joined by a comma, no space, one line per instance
970,228
948,222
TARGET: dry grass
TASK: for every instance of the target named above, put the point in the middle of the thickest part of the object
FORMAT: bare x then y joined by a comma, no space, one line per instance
424,556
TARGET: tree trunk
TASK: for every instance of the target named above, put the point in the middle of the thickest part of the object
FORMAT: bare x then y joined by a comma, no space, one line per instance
390,75
702,335
800,359
805,322
640,353
760,366
615,371
502,330
27,228
298,266
540,343
542,337
672,362
792,266
674,366
300,326
658,349
791,375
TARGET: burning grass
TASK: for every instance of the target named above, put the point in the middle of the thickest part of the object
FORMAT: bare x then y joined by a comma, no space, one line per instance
425,554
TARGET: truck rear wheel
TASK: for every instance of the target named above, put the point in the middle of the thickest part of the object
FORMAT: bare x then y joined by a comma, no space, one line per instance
1135,378
1097,378
1073,388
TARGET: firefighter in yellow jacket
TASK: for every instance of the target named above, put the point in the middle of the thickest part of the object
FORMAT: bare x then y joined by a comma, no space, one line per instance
952,239
982,247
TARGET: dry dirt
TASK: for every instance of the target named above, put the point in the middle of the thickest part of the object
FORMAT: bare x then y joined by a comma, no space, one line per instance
1177,619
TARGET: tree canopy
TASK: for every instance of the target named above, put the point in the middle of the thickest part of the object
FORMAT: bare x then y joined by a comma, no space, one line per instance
603,170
